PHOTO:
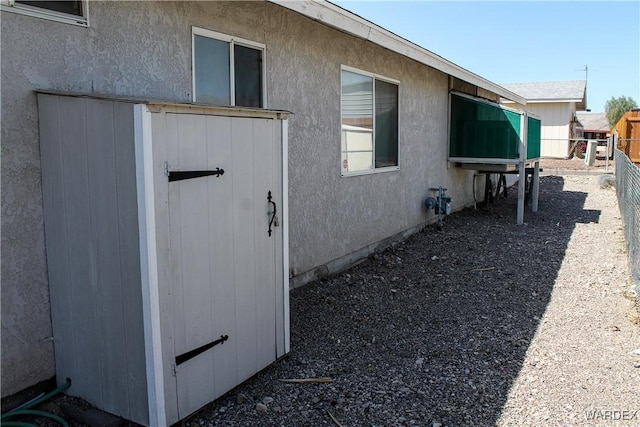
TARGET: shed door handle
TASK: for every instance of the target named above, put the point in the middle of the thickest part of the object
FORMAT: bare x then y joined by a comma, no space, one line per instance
272,213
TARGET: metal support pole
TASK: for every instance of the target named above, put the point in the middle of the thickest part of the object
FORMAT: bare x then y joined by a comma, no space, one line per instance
606,156
522,172
536,186
522,175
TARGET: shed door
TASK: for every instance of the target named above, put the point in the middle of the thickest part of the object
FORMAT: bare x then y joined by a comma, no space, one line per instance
222,258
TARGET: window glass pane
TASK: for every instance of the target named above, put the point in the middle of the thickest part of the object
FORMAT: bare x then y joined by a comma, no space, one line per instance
359,161
386,124
70,7
248,76
211,71
357,148
357,122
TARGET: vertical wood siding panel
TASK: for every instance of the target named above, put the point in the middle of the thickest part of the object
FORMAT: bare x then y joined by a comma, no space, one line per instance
174,245
129,262
57,245
244,232
280,274
195,242
264,291
555,130
175,240
106,249
222,245
81,259
164,146
194,252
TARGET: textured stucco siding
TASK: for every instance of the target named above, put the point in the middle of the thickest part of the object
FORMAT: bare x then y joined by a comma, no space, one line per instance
332,216
143,49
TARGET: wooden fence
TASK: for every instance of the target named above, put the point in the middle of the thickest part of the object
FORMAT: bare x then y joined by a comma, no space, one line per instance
628,129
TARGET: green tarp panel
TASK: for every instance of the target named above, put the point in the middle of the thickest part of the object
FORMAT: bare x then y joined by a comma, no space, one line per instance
533,137
482,130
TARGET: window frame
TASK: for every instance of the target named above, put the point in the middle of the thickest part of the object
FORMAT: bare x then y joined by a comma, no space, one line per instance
197,31
375,77
52,15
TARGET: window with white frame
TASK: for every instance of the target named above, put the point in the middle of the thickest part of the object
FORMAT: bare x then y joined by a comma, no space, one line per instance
70,12
369,122
227,70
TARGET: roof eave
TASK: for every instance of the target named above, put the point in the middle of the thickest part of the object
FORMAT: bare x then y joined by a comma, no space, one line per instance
598,130
540,101
336,17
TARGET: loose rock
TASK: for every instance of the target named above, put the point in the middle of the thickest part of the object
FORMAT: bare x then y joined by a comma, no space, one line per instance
491,324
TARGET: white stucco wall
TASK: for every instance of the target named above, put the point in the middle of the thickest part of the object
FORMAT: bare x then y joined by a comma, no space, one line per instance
143,49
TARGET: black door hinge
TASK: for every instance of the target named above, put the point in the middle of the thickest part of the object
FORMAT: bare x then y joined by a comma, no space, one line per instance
196,351
180,175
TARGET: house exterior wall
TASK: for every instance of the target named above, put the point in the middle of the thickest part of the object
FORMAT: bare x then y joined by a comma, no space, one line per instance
556,128
143,50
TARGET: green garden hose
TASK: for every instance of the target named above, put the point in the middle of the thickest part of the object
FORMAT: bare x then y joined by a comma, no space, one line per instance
26,410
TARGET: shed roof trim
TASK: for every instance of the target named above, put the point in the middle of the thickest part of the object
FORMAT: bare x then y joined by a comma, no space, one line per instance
350,23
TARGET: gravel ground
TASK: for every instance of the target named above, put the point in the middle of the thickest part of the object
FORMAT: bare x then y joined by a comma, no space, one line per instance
560,166
480,323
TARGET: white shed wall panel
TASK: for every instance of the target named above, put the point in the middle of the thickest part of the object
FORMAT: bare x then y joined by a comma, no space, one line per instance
555,132
93,255
219,271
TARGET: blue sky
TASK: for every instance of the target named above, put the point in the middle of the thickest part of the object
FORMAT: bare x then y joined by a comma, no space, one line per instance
520,41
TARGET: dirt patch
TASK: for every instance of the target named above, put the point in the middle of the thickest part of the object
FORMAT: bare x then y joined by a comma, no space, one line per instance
554,166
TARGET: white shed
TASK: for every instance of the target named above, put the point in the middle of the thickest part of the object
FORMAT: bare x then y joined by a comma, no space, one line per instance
166,237
556,104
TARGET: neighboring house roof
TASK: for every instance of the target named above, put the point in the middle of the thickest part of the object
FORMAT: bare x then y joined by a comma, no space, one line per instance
350,23
537,92
593,122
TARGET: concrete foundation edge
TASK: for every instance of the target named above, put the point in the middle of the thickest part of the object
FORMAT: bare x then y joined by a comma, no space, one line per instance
347,261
